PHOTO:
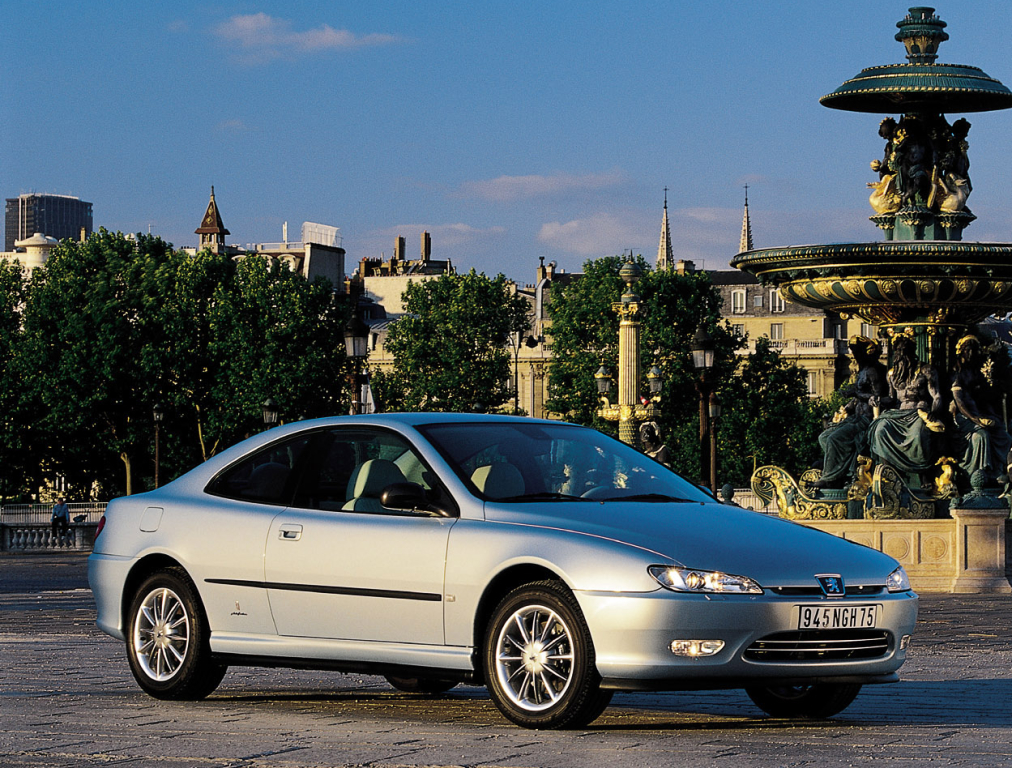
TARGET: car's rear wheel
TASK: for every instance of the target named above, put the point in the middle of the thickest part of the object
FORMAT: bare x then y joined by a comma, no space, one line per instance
539,660
167,640
430,685
811,702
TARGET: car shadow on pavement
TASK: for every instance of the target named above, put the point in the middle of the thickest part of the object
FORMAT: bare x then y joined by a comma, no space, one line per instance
968,702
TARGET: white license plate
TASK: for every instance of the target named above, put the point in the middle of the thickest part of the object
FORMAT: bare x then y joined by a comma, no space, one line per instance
838,616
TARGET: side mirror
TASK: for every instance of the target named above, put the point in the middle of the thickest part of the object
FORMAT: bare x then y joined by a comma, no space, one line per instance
409,496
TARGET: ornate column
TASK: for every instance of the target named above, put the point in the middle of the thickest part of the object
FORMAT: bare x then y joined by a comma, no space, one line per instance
628,410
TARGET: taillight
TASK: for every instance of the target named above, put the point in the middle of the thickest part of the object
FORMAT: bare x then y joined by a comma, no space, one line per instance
101,525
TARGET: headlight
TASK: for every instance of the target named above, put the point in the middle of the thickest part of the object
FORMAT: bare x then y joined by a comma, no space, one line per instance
693,580
897,581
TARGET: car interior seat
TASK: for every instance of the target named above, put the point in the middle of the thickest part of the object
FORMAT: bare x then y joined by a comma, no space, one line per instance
499,480
368,483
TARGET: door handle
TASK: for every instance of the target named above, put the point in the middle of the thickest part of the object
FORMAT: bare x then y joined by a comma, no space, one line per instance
290,532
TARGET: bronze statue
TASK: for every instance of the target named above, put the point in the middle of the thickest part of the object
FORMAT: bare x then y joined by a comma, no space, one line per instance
977,409
903,436
846,438
912,160
884,197
650,437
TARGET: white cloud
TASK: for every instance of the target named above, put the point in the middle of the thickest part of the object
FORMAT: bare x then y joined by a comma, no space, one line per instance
602,234
268,37
509,188
233,126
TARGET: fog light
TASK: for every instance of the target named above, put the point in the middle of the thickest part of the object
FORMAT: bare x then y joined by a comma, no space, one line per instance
904,642
696,648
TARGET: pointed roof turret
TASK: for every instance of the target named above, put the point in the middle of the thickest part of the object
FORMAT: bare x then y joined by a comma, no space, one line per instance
212,230
745,244
665,254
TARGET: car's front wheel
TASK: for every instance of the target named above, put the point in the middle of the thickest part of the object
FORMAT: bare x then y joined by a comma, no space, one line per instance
167,641
811,702
539,659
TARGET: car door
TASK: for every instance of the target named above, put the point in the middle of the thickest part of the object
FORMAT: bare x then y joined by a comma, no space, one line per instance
338,565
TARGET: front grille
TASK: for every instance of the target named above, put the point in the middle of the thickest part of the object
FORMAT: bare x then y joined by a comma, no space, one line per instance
820,645
857,591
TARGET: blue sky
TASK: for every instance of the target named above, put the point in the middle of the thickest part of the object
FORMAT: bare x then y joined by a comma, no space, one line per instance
508,130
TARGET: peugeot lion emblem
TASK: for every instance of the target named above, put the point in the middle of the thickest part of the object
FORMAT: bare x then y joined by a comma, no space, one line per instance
832,584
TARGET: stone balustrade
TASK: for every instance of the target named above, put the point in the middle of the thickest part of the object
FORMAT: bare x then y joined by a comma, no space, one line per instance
38,537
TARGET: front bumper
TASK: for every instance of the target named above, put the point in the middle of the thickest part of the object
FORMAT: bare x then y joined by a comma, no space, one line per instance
632,640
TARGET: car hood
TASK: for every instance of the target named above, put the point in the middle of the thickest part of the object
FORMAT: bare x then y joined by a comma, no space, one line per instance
716,537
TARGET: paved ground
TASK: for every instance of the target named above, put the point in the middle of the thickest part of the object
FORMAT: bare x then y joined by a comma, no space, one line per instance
67,699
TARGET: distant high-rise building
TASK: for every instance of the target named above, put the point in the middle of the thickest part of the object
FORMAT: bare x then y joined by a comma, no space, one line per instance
59,216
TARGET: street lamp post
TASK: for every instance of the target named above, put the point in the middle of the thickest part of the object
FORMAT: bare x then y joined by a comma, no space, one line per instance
356,347
628,410
271,413
714,416
157,415
702,361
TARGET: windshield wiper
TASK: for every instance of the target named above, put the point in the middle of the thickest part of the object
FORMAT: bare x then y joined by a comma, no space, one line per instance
542,496
643,497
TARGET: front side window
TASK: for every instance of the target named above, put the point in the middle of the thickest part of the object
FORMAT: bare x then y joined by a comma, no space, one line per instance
351,468
776,331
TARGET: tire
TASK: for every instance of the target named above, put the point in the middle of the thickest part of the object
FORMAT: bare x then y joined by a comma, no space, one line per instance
428,685
806,702
168,639
539,660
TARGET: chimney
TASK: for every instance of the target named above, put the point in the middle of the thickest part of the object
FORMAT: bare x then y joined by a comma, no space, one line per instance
426,246
683,267
84,234
398,249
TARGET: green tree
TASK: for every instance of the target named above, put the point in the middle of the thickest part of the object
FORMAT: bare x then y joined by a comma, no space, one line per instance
115,325
768,417
449,349
92,339
14,423
584,334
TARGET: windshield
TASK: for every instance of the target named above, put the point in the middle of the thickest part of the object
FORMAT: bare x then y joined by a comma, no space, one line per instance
517,462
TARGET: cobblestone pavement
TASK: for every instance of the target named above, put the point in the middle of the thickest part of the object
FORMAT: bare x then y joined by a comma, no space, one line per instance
67,699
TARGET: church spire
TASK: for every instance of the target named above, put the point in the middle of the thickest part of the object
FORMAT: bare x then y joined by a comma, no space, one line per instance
665,255
212,230
746,228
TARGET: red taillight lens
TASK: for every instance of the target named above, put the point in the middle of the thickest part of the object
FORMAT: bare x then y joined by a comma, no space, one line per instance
101,525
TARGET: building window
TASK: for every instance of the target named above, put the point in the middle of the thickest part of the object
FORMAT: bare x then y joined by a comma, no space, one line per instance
757,301
737,302
812,383
868,330
739,330
776,302
776,331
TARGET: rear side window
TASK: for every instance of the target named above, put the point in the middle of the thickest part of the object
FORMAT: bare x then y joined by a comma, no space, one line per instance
267,476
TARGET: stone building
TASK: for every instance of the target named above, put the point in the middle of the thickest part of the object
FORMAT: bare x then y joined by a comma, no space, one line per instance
317,254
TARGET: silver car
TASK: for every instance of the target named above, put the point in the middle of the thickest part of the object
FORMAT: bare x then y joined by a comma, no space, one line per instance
549,562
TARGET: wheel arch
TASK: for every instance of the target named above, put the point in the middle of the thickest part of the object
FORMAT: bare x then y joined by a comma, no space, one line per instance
142,569
504,583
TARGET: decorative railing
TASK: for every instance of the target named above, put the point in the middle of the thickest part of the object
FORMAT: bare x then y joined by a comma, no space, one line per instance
801,347
43,513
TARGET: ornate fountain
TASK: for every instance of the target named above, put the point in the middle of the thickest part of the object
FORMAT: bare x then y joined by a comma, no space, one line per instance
922,283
